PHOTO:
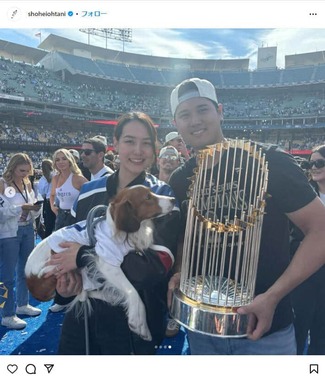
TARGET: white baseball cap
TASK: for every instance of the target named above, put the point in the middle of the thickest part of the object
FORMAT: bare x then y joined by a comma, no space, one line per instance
171,136
192,88
75,153
168,150
103,139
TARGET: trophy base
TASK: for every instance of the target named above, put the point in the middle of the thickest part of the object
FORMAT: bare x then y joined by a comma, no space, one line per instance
220,321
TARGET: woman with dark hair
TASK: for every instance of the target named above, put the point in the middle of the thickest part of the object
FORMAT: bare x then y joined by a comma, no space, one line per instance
109,334
17,215
44,189
309,298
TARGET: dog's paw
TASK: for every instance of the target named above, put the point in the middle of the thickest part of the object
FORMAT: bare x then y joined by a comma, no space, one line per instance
83,296
147,336
142,330
137,319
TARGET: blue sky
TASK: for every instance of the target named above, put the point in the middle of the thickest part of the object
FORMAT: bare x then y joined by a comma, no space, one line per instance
193,43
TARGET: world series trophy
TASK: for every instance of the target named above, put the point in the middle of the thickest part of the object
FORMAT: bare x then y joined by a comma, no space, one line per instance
222,239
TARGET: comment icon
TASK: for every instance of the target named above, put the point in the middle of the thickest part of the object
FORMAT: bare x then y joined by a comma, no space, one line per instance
30,369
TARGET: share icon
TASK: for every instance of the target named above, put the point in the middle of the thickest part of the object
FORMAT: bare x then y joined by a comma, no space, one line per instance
49,367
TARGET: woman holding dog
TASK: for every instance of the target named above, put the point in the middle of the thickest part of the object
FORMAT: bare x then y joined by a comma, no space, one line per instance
17,214
135,140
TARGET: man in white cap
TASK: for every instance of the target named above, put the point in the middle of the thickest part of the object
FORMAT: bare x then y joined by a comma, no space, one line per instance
198,117
168,160
176,140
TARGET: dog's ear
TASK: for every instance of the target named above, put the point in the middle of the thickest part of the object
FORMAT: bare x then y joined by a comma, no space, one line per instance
125,218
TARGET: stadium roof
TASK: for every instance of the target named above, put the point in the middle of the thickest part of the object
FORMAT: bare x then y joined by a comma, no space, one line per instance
17,52
62,44
305,59
22,53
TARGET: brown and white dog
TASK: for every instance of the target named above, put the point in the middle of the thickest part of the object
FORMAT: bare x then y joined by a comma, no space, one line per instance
128,226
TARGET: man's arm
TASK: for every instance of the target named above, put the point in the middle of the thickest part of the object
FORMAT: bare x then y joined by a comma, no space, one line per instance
309,257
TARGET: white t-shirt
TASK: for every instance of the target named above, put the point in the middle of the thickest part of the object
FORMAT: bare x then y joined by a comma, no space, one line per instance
103,171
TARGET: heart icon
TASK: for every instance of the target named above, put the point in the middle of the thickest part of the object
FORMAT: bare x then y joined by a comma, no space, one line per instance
12,368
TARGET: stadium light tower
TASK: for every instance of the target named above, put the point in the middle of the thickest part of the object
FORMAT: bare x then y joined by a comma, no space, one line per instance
124,35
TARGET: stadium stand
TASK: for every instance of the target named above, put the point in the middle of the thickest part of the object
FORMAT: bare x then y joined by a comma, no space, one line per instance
266,78
51,97
298,75
115,71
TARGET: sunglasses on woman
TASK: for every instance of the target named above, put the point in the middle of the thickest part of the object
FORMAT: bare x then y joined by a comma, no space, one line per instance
319,164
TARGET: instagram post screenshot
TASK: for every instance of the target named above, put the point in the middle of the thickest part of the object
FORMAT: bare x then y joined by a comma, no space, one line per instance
162,189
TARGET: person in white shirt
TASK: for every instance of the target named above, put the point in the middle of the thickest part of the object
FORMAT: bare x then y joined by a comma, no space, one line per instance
92,154
65,186
17,214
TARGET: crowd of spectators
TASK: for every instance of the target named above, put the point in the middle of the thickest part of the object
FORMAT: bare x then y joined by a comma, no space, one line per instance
62,135
42,85
20,79
42,134
39,84
45,136
287,104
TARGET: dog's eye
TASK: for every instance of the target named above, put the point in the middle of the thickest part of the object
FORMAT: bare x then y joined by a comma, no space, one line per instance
148,197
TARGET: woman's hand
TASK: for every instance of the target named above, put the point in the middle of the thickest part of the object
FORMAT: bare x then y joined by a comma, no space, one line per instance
65,261
69,284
